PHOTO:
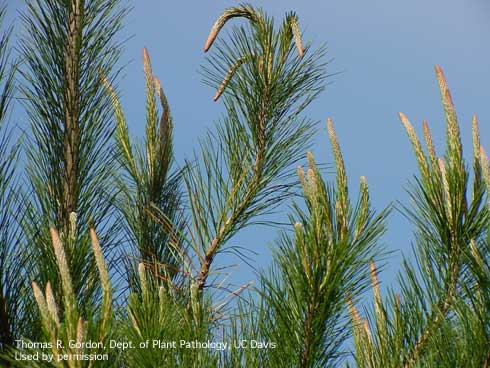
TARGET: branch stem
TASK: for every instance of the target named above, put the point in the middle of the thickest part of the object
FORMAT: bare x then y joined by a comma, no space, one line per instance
251,191
443,307
72,114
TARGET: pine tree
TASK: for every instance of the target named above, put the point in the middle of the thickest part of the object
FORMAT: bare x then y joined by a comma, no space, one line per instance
167,225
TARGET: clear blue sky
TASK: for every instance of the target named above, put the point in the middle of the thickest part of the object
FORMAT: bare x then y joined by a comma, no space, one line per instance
385,51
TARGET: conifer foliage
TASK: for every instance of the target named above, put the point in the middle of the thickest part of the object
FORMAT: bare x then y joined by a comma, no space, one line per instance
12,258
69,154
105,240
440,318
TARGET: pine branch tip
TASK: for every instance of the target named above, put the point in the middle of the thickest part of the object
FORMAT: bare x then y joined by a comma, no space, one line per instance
146,56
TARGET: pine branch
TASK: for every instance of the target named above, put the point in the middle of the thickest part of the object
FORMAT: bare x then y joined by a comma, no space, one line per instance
252,188
72,111
61,330
265,88
150,195
12,252
451,181
70,166
307,347
443,309
438,319
316,267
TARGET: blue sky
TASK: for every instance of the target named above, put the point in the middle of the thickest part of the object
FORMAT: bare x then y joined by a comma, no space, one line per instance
385,52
